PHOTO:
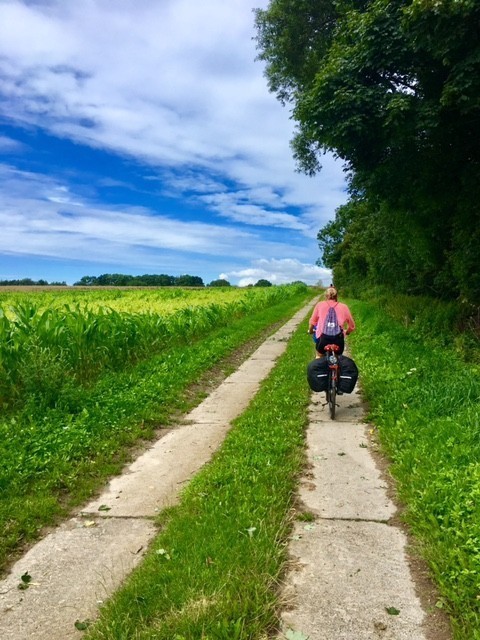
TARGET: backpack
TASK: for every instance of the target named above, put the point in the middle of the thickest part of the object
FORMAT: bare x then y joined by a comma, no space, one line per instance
317,374
331,326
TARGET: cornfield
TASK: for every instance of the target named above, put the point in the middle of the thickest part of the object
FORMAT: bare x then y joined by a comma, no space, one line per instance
45,345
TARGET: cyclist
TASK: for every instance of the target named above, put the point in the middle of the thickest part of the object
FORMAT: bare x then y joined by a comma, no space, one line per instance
343,326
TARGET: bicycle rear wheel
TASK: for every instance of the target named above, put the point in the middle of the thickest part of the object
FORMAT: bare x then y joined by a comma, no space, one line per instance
332,396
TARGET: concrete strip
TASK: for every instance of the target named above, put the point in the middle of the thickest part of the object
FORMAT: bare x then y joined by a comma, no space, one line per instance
350,578
351,573
153,481
346,483
230,399
72,570
349,409
87,558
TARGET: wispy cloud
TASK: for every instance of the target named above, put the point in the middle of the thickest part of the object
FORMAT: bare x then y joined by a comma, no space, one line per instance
42,217
8,145
279,272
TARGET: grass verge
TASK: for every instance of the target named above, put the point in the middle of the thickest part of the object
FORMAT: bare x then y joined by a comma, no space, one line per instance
54,459
213,572
424,401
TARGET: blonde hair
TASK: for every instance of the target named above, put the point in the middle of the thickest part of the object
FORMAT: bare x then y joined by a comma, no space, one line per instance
331,293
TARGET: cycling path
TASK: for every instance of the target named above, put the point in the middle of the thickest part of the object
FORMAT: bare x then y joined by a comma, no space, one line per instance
350,576
83,561
349,565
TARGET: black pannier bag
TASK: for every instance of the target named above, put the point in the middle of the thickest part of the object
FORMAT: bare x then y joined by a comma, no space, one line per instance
348,374
317,374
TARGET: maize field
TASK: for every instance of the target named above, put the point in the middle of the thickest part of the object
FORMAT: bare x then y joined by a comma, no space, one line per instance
49,339
87,375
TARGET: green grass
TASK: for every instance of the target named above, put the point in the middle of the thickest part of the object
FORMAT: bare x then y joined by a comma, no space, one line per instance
453,324
424,399
214,570
55,457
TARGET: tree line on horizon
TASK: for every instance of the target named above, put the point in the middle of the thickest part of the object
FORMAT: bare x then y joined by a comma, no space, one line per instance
28,282
392,89
153,280
125,280
146,280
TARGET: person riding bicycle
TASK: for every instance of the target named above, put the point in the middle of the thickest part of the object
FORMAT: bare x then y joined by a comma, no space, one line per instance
331,321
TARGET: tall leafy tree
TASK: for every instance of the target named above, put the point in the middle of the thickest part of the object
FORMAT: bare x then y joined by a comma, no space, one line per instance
221,282
392,87
188,281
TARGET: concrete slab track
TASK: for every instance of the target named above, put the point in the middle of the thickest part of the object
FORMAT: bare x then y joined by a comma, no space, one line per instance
350,577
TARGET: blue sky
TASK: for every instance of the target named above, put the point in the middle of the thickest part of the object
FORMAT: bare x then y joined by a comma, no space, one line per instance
139,136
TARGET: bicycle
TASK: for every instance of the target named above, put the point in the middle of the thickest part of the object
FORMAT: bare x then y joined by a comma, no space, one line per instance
331,351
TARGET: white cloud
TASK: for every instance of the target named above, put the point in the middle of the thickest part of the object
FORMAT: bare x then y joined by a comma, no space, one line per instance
236,206
280,272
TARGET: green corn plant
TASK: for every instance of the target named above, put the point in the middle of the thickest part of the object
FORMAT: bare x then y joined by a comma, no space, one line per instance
45,345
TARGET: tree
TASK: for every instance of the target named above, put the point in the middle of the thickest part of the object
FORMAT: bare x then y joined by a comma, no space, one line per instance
146,280
262,283
114,280
392,88
293,37
164,280
221,282
189,281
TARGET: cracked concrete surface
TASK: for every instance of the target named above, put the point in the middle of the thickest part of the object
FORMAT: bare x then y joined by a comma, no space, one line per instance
350,577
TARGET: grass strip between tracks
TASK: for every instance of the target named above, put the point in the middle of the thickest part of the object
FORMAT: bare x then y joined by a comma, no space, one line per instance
213,571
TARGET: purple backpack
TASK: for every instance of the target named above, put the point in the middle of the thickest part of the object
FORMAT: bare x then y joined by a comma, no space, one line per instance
331,326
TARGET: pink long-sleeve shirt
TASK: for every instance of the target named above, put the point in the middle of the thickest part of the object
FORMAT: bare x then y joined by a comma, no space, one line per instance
343,314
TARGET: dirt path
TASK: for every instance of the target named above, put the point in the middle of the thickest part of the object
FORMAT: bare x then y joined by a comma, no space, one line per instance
82,562
351,577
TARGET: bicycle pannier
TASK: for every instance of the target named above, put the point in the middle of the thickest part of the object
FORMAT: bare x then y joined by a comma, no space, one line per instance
348,374
317,374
